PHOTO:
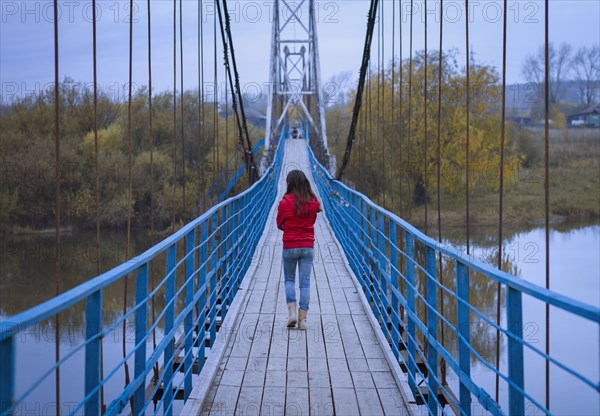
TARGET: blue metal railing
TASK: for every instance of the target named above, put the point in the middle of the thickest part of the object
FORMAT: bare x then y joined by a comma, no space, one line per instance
219,247
221,187
397,268
238,174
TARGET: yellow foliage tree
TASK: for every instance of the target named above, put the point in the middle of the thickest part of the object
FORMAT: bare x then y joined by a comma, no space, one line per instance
390,157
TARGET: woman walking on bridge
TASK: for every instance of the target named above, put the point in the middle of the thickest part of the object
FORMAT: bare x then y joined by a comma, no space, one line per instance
296,216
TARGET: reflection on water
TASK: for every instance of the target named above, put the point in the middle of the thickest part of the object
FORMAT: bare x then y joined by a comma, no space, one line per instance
27,264
574,272
27,279
27,274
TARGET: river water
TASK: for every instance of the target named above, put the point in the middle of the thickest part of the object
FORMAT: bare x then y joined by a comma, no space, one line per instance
574,272
27,277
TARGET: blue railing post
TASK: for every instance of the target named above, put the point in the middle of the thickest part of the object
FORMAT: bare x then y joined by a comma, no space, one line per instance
432,328
382,272
244,242
213,278
394,278
169,323
202,298
343,230
223,254
358,239
188,323
235,249
410,298
464,332
238,224
366,258
514,318
349,215
93,327
251,223
7,374
374,262
141,313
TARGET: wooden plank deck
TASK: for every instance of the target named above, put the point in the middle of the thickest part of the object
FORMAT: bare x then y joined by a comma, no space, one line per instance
340,365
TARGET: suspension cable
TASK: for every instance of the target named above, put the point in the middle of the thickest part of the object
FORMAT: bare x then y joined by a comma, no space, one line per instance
200,166
226,131
425,180
228,77
381,107
215,152
468,122
400,107
377,98
151,129
501,191
363,145
547,182
57,181
129,191
173,208
201,118
438,180
410,73
181,106
249,157
358,100
370,110
95,124
424,176
393,123
400,128
151,136
97,163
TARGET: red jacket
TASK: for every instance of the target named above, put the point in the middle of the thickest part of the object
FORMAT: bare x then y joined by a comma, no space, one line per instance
298,232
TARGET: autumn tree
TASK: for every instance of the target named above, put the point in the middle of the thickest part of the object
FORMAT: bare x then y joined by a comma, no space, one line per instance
390,154
27,158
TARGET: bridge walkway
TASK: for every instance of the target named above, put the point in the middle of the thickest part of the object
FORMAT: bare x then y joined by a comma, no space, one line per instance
341,365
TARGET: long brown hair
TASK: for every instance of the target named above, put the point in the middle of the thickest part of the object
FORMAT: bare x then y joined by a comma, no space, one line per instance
298,185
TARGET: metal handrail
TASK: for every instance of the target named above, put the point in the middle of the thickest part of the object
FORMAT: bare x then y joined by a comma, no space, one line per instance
223,240
374,240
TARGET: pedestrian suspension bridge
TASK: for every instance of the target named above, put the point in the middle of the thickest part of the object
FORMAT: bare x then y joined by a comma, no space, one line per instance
217,341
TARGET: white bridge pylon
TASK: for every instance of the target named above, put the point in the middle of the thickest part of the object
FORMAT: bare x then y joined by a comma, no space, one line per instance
295,75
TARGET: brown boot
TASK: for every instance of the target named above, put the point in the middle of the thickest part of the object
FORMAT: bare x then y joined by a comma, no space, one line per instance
302,319
293,318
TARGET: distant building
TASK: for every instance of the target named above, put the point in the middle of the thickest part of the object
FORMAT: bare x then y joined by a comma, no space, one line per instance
590,117
519,120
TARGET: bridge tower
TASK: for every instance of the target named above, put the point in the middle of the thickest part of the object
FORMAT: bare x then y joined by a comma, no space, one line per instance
295,78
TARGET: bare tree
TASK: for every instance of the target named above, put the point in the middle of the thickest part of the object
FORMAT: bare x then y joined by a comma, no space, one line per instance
560,63
336,90
586,64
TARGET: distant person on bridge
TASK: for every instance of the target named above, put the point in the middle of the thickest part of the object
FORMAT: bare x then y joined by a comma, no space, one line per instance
296,216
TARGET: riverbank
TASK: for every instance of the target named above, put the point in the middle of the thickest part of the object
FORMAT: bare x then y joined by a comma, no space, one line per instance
574,191
574,178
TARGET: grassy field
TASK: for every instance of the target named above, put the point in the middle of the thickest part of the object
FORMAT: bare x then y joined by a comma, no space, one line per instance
574,172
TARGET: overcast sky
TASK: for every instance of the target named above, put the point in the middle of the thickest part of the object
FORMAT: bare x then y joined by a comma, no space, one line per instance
27,54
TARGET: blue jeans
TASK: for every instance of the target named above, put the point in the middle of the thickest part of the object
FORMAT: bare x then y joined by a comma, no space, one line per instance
303,257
